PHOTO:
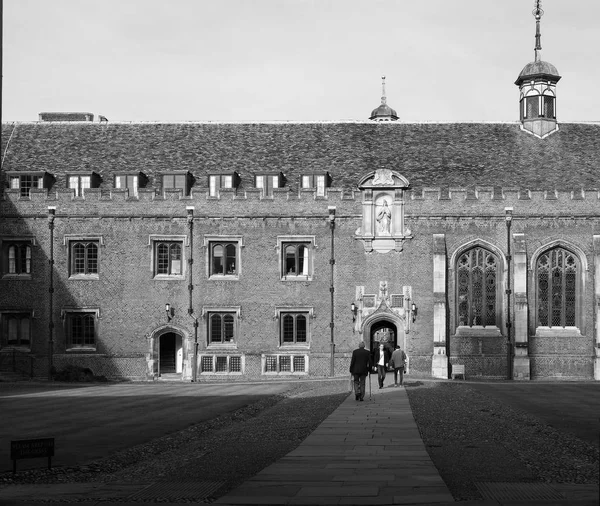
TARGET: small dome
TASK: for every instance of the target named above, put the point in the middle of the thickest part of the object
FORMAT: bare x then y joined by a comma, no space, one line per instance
537,69
384,112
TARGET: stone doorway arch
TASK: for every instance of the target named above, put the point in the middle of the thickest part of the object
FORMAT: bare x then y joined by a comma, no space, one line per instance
386,325
168,352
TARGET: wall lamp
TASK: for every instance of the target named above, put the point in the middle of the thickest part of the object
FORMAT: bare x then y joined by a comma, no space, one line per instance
354,311
414,310
170,311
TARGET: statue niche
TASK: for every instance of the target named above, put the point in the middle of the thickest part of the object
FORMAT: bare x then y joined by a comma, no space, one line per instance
382,228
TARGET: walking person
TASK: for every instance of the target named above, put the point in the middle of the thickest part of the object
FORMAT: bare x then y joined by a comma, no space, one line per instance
399,361
381,360
360,366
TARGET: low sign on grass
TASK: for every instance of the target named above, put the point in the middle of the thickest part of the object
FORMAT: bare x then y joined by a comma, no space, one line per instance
30,449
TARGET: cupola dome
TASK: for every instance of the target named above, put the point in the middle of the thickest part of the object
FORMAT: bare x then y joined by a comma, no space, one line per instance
384,112
537,85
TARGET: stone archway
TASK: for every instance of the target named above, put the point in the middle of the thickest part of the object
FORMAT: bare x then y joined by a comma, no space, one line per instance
168,352
387,325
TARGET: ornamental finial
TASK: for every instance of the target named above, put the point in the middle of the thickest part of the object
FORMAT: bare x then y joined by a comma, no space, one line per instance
538,13
383,97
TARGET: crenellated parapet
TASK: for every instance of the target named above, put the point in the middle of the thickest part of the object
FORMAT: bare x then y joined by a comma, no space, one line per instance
478,201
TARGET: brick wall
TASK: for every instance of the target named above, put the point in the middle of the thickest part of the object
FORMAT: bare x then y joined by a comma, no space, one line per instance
131,301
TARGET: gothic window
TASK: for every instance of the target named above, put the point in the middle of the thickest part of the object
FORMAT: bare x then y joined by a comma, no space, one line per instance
557,272
477,288
80,328
221,328
223,258
294,328
83,258
168,258
16,258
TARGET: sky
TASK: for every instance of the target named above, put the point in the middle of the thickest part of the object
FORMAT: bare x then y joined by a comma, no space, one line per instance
292,60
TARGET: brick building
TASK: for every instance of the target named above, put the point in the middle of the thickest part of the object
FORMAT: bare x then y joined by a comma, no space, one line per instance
261,250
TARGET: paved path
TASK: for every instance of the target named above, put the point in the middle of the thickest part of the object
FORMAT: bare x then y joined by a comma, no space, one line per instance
364,453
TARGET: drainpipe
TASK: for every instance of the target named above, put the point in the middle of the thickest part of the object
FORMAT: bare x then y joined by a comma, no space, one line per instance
51,216
331,287
190,221
509,341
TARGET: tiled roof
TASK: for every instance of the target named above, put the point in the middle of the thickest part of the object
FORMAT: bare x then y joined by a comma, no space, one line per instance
428,155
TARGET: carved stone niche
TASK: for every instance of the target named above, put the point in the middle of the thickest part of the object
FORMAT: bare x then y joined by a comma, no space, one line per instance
382,228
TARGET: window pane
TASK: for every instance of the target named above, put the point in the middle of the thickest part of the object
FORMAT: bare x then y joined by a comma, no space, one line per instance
180,182
290,259
74,183
215,328
321,186
306,182
288,329
162,259
230,260
227,182
27,259
299,363
206,363
285,363
302,260
532,107
228,328
275,181
301,329
24,334
78,258
477,274
92,259
26,185
549,107
259,181
88,330
235,364
212,186
217,259
221,365
168,181
271,363
13,330
119,182
12,259
15,183
175,252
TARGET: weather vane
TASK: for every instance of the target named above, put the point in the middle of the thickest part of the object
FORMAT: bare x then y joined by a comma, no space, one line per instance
538,13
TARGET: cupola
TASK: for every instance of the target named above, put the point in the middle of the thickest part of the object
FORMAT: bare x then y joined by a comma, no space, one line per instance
537,85
384,112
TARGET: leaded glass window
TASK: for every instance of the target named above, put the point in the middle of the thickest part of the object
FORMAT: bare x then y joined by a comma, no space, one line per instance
221,328
293,328
477,273
168,258
84,258
556,279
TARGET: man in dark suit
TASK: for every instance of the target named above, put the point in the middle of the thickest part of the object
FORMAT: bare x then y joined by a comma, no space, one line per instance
360,366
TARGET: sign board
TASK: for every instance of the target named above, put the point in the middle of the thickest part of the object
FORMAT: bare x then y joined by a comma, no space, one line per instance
30,449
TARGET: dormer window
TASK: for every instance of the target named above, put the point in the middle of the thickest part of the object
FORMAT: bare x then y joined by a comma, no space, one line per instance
178,181
317,181
25,181
267,182
217,182
79,182
129,181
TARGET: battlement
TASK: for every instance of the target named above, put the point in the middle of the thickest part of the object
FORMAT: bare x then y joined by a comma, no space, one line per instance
484,201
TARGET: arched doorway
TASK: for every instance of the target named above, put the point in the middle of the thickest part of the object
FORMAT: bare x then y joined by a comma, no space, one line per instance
385,332
170,354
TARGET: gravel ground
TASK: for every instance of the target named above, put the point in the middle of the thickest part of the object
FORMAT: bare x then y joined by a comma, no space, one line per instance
469,436
472,437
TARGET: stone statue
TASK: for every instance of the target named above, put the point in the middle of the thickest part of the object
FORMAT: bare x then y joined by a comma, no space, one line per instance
384,219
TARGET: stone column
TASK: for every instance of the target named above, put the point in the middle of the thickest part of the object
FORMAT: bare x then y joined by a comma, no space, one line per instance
439,362
521,366
597,305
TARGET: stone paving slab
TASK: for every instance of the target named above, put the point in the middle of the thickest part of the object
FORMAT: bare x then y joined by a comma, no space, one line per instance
363,453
